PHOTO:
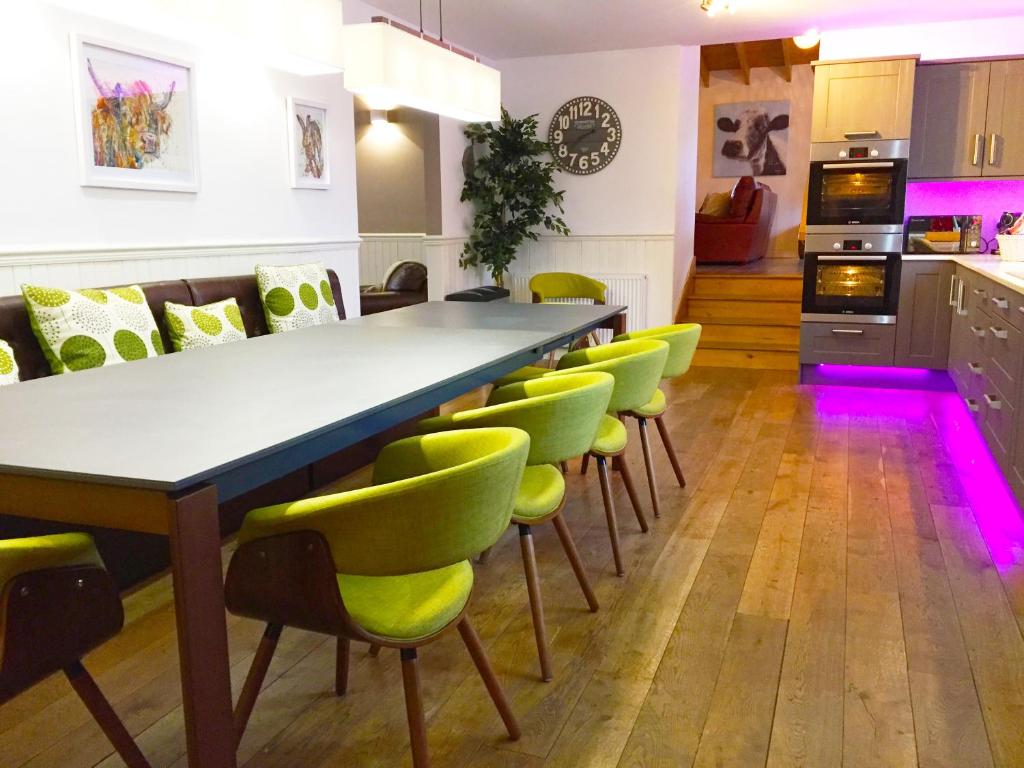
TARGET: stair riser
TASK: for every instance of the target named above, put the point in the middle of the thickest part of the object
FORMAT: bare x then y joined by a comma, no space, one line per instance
713,333
786,313
737,358
774,288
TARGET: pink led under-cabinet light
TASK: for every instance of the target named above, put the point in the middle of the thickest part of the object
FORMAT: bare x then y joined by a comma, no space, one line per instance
987,197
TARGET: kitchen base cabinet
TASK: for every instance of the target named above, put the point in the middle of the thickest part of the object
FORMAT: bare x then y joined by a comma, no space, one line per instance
925,312
847,343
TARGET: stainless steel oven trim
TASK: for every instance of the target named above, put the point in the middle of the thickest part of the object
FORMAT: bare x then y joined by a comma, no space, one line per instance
823,317
857,230
888,149
852,256
855,165
824,243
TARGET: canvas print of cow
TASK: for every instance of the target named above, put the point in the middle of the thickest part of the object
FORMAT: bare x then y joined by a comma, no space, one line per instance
136,118
751,138
307,131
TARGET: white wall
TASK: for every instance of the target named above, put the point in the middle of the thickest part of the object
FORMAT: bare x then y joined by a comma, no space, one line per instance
970,39
244,198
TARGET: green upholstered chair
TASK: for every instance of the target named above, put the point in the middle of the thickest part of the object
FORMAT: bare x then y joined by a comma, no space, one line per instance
57,603
636,366
388,564
561,414
547,287
682,341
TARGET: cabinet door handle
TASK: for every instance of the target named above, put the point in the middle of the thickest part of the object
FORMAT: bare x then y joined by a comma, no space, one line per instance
862,134
849,331
971,403
993,402
979,149
995,137
952,291
960,309
999,333
1000,303
976,369
979,332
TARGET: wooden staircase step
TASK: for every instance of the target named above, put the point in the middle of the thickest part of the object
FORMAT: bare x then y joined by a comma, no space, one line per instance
715,334
747,358
762,346
771,288
786,313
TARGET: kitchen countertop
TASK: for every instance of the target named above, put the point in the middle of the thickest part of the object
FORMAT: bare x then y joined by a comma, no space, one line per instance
1007,273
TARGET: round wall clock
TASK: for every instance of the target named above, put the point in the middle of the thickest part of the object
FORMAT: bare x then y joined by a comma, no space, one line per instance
585,135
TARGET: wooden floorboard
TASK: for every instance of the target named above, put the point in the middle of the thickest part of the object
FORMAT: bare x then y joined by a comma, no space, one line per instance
838,584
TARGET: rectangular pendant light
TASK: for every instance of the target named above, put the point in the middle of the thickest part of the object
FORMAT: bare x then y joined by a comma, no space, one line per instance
388,65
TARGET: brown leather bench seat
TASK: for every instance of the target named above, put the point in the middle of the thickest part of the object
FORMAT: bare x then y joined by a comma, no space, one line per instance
132,557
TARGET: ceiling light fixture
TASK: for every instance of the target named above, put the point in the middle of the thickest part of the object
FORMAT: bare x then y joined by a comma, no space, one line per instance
387,63
714,7
808,39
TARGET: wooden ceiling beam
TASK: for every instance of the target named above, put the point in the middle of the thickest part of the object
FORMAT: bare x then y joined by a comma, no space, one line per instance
741,56
705,73
787,59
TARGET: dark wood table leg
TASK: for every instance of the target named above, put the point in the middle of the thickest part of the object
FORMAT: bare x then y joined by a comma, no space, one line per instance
619,324
202,628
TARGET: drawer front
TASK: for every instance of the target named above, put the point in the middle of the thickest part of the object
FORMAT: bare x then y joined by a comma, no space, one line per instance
977,294
1006,305
847,344
1004,346
997,424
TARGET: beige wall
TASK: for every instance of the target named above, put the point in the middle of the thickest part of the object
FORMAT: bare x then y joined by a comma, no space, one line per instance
397,173
765,85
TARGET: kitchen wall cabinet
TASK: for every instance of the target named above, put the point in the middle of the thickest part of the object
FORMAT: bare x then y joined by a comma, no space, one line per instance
968,120
863,100
925,312
1005,121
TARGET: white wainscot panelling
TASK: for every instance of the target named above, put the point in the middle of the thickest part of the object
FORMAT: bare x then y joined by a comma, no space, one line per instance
378,252
444,275
97,267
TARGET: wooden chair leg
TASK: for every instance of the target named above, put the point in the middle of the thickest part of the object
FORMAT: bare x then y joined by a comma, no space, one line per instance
645,443
627,480
254,680
483,666
374,650
105,716
609,511
562,529
341,667
536,601
484,556
670,449
565,467
585,464
414,709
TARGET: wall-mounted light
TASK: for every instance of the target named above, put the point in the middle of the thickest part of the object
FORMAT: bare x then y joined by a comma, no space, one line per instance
379,117
715,7
808,39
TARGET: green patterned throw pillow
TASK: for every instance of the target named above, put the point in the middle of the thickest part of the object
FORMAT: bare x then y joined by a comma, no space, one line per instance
91,328
296,297
193,327
8,365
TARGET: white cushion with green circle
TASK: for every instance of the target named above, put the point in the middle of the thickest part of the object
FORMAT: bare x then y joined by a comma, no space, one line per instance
8,365
296,296
91,328
206,326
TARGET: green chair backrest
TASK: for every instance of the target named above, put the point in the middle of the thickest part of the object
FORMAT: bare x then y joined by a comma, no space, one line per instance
682,341
560,413
566,285
436,500
36,553
637,366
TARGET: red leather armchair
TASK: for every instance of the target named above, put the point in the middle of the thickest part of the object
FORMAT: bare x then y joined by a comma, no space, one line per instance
743,235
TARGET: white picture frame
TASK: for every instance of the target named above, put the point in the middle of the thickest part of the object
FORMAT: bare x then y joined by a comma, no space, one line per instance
161,152
309,164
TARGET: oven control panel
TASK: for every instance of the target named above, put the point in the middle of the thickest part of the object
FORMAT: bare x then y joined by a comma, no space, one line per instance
868,243
857,153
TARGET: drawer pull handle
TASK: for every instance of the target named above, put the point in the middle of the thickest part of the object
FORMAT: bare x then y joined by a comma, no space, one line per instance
971,403
979,332
993,402
979,291
976,369
999,333
849,331
1000,303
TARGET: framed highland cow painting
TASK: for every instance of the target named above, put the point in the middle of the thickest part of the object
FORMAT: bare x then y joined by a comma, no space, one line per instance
136,118
307,145
751,139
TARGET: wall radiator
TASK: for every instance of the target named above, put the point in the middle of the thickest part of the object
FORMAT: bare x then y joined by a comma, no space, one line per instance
626,289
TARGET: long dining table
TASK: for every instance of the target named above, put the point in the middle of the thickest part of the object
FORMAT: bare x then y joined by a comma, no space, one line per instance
156,445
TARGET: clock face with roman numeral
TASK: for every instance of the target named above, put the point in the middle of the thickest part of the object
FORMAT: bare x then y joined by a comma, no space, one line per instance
585,135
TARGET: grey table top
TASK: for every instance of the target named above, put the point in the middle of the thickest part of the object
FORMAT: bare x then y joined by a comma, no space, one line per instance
169,422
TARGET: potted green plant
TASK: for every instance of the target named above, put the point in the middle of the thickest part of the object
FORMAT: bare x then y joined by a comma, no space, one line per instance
511,187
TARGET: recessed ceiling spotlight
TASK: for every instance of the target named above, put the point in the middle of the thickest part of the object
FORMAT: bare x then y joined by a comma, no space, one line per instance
808,39
714,7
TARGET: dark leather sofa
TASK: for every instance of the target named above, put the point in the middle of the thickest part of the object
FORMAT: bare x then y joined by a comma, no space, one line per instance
132,557
405,285
743,235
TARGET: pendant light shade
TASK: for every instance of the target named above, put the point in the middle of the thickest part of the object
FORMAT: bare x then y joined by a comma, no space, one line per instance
387,65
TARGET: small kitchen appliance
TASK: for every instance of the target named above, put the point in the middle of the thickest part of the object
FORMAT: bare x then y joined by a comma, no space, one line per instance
943,234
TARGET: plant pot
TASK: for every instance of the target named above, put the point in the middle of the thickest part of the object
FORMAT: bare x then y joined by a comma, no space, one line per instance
499,280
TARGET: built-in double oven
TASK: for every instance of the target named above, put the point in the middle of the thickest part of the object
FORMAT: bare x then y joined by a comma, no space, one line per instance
857,186
853,279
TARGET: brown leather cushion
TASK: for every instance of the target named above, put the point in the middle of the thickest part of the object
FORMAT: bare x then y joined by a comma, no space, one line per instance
407,276
16,330
742,197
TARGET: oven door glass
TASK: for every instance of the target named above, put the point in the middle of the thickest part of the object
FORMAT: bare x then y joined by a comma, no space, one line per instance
857,193
846,281
851,286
